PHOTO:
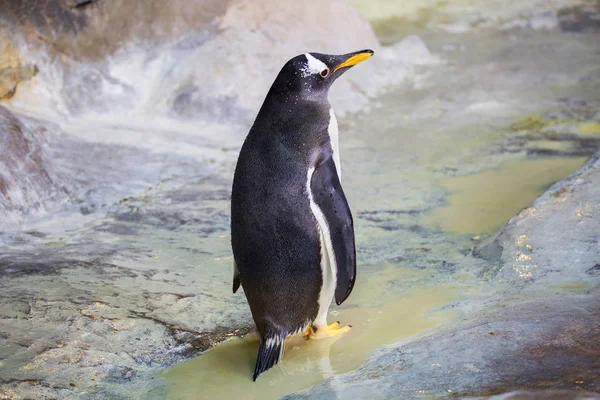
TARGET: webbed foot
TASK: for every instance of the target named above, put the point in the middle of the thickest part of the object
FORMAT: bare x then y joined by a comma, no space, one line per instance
325,331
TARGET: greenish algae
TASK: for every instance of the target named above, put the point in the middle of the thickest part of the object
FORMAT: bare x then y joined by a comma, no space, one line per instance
575,287
533,122
591,129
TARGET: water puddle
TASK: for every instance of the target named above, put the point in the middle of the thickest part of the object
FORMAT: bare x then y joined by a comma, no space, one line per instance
388,305
378,317
483,202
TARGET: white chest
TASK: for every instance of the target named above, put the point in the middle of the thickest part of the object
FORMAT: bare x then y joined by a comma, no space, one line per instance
333,132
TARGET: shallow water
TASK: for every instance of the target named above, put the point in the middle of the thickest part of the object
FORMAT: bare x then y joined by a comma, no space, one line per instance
484,202
377,318
390,302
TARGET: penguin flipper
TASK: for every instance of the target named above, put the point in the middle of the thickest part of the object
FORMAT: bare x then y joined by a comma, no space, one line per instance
270,353
236,277
327,193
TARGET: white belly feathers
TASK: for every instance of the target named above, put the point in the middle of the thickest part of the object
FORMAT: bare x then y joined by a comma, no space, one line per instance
328,261
333,131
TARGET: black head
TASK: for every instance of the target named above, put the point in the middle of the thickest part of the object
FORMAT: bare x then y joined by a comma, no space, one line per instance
311,74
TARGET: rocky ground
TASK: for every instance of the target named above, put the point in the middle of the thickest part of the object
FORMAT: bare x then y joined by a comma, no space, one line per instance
116,155
542,334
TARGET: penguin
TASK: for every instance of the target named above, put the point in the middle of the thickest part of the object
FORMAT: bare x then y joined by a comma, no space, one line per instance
292,232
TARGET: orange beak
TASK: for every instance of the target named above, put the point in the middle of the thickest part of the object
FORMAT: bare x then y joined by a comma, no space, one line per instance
355,59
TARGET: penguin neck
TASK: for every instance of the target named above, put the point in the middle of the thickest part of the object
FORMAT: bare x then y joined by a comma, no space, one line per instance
287,105
297,98
298,123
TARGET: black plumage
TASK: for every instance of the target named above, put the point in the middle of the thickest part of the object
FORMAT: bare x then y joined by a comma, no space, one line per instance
276,238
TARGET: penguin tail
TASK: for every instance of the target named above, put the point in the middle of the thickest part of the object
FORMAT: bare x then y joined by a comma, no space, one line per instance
270,353
236,283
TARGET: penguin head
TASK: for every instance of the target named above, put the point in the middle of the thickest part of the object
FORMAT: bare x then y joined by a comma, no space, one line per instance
311,74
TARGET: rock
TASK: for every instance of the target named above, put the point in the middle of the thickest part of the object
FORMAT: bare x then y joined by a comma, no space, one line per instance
256,39
410,50
85,310
557,238
453,17
73,340
71,59
217,61
28,179
541,333
516,344
542,395
580,18
134,274
13,70
89,30
553,135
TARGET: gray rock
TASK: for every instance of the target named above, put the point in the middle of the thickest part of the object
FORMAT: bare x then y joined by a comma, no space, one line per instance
217,61
526,345
13,69
542,395
90,29
28,177
136,274
542,333
556,240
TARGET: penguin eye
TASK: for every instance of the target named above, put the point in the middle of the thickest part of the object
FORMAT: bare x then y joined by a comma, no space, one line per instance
324,73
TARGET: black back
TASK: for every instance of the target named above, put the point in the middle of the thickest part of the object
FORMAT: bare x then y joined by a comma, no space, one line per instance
275,240
275,237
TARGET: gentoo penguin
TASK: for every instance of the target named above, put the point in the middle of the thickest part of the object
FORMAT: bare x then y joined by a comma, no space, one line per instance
292,232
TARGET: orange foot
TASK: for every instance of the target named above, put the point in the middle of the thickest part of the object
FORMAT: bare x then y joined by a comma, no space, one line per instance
325,331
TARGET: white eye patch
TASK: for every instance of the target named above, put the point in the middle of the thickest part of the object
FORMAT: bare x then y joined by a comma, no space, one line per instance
313,65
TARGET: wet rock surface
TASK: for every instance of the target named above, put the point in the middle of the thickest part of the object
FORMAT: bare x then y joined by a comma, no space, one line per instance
82,301
391,18
535,251
542,395
92,57
92,29
106,308
112,270
28,176
13,70
554,135
88,322
542,334
530,345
